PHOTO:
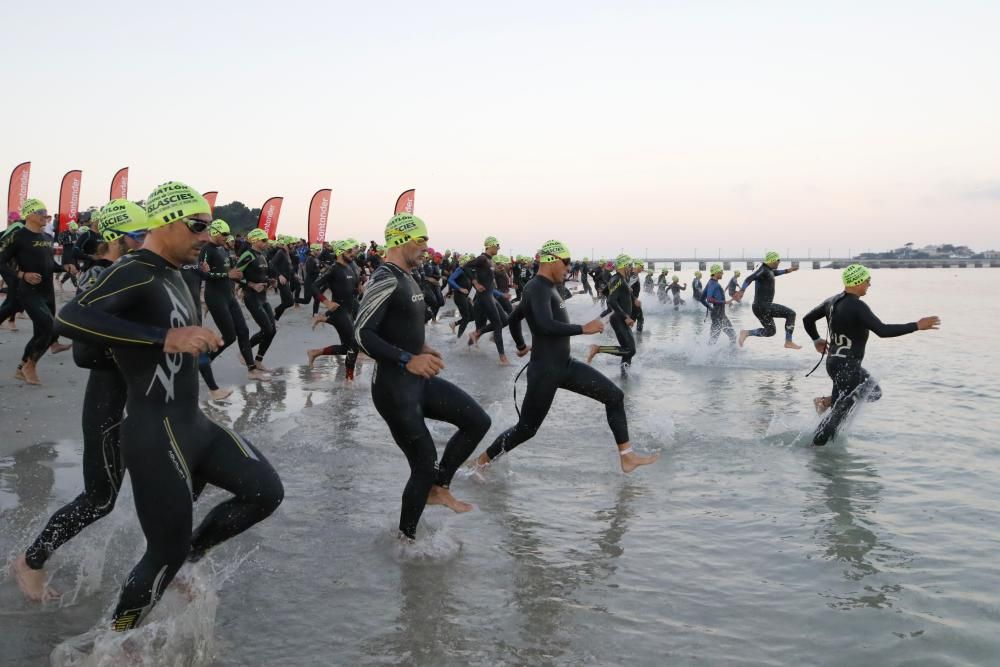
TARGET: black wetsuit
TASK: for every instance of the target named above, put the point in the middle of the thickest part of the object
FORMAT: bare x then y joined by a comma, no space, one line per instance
619,304
170,448
485,304
432,287
585,279
637,314
552,368
255,270
30,252
103,469
342,281
389,327
311,273
764,307
675,289
459,280
849,319
220,297
281,267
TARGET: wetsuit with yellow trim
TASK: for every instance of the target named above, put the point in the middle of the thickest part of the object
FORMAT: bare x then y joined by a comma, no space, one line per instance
220,297
619,306
170,448
25,251
342,281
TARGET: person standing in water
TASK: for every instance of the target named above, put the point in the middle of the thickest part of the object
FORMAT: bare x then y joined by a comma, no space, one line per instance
715,300
675,288
764,307
849,321
552,368
405,387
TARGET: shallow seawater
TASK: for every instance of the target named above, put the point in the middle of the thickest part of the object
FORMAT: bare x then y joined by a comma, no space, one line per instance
742,545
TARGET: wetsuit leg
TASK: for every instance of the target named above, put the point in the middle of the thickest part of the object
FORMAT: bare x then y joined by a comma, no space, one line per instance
400,402
626,342
103,470
232,325
342,322
287,301
851,383
164,458
766,312
464,309
260,311
640,319
487,311
40,307
445,402
583,379
542,385
720,324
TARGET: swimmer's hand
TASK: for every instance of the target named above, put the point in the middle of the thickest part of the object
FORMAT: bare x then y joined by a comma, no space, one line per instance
425,365
191,340
925,323
820,346
594,326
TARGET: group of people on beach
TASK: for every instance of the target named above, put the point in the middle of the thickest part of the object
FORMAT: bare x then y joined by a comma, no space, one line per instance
145,277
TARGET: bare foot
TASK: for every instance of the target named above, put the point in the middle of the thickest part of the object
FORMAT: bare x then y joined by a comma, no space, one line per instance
30,376
631,460
453,325
743,336
318,320
220,394
312,354
349,375
442,496
31,582
56,348
504,361
592,352
260,366
18,374
9,325
822,404
258,375
792,346
474,339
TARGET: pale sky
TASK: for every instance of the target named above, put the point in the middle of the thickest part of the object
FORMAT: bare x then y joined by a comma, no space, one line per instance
665,126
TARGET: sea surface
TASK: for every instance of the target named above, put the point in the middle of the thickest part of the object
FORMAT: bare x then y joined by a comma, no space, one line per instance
743,545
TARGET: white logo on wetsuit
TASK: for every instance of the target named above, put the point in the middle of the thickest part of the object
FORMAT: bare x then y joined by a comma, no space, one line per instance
841,343
417,297
179,317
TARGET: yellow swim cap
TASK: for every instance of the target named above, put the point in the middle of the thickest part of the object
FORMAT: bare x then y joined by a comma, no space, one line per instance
118,217
623,261
172,201
553,251
854,275
257,235
32,206
715,268
772,256
219,227
490,242
403,228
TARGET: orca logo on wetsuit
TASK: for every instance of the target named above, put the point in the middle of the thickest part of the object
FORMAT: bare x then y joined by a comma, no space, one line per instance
417,297
180,316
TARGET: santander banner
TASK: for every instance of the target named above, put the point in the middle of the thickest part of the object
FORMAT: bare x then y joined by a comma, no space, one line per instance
269,213
69,198
319,209
210,198
405,202
119,184
18,190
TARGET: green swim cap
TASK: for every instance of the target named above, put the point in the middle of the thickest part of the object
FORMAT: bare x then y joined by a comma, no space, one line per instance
340,247
638,264
854,275
257,235
73,226
736,273
230,238
552,251
501,259
315,247
219,227
119,216
663,270
623,261
715,268
676,279
586,259
32,206
697,274
490,242
772,256
172,201
403,228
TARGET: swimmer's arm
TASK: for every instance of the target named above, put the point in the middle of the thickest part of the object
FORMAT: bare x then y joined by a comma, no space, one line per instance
514,326
810,319
93,317
371,312
879,328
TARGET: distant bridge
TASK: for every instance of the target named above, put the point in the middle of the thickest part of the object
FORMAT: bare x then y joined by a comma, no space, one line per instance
830,263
